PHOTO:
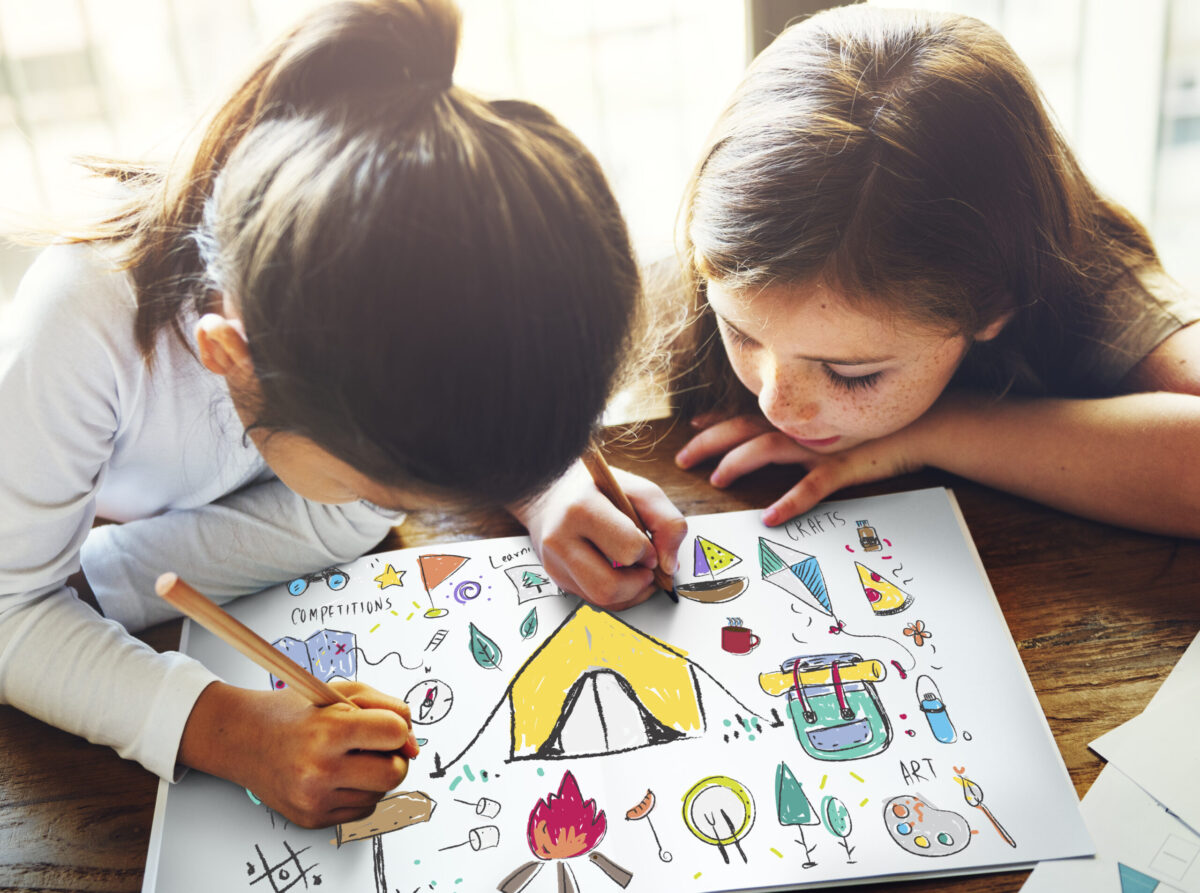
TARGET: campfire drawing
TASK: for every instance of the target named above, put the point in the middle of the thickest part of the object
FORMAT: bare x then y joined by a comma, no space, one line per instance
562,827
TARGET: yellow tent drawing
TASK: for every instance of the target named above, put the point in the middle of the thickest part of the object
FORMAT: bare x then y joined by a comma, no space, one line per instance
599,686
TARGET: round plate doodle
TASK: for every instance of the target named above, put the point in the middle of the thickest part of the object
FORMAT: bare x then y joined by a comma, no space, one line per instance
713,805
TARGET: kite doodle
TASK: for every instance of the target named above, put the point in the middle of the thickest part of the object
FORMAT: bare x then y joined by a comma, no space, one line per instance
796,573
709,559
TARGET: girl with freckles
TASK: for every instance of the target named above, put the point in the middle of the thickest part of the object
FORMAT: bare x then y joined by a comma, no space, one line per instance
897,262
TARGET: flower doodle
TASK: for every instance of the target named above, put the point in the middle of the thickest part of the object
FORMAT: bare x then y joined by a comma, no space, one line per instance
919,633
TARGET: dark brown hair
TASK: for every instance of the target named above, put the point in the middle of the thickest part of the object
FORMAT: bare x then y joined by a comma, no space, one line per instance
436,289
907,160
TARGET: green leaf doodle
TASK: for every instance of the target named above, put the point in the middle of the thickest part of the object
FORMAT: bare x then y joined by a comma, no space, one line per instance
484,650
529,624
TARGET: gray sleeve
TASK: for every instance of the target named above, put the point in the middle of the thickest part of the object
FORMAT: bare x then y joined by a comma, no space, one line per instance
256,537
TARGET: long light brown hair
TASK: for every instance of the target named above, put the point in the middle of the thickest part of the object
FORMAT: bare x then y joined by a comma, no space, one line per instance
436,288
907,160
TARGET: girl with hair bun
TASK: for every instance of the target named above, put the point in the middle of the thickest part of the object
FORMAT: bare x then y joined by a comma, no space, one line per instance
897,262
361,290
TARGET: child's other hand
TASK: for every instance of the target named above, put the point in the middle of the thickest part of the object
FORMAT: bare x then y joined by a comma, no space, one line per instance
316,766
580,535
747,443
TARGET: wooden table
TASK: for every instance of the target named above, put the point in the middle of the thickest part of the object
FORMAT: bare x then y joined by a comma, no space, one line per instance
1100,616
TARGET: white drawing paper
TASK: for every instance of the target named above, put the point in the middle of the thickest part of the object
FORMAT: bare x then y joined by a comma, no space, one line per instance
834,699
1157,748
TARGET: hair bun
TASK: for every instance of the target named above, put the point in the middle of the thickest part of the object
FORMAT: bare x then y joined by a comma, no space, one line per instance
425,33
362,47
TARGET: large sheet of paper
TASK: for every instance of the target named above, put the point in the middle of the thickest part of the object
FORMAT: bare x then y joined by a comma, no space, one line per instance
831,700
1142,810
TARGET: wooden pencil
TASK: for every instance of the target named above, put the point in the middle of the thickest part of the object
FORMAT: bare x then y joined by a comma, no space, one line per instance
229,629
607,484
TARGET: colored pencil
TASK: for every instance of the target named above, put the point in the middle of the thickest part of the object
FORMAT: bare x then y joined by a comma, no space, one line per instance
602,475
221,624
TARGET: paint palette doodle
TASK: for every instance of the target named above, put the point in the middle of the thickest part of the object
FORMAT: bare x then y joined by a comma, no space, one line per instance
922,829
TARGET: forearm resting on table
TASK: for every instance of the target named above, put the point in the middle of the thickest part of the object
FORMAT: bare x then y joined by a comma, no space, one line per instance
1129,460
221,731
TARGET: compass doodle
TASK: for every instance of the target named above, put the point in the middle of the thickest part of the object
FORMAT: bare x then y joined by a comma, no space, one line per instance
285,874
433,698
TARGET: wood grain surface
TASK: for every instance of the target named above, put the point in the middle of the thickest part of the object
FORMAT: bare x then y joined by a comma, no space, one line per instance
1100,616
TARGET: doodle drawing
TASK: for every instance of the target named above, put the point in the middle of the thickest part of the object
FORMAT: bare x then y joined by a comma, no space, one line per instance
795,572
834,706
641,811
486,652
934,708
973,794
435,569
919,633
325,654
738,639
284,874
719,811
598,686
529,626
867,537
431,700
531,582
922,829
836,818
709,559
390,577
884,596
562,827
335,578
792,808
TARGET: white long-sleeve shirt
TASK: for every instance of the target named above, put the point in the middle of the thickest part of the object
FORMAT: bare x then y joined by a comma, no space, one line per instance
87,430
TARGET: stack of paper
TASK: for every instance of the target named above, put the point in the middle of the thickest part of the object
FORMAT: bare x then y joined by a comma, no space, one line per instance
1144,810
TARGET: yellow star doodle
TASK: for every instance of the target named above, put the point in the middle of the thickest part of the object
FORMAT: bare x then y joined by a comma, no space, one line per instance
390,577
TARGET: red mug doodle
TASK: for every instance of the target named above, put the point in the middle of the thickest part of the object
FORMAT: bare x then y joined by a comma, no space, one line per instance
738,639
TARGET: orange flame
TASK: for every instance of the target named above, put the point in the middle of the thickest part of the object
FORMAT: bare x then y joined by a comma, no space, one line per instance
565,825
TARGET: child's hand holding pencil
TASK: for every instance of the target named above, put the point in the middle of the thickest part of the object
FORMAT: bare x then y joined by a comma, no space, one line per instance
608,536
319,754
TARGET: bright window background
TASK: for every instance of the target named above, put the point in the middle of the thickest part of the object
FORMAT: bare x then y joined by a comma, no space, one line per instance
640,81
1123,80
